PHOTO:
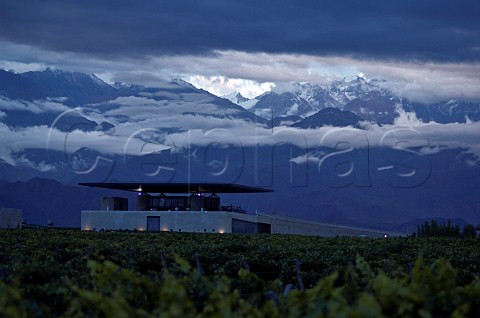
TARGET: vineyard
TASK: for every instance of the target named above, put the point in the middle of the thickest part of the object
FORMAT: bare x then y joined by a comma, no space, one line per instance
70,273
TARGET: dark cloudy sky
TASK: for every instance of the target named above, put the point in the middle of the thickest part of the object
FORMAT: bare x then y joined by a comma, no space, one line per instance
426,50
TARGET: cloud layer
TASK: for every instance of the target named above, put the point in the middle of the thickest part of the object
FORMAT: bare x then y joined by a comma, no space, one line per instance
427,51
171,128
402,30
254,73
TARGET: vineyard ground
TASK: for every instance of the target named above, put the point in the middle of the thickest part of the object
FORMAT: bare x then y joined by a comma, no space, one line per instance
73,273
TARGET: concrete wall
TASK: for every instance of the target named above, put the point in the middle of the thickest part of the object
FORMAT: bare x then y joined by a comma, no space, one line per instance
10,218
214,222
286,225
177,221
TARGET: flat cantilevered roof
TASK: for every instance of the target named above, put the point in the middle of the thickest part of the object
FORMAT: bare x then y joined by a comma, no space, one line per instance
188,187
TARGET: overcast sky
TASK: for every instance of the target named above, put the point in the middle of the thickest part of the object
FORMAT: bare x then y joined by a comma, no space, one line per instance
426,50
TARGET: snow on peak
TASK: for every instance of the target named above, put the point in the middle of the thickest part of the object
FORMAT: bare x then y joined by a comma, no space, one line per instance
239,99
452,102
235,97
182,82
122,85
349,88
302,99
98,80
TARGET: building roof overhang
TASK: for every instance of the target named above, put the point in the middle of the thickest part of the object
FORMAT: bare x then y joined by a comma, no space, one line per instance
187,187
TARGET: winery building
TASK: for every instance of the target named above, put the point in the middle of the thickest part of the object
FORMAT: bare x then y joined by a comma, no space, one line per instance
196,207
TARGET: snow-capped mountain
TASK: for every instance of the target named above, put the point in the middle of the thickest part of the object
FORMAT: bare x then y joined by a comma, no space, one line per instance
375,107
183,83
47,118
239,99
446,112
37,98
305,99
368,99
349,89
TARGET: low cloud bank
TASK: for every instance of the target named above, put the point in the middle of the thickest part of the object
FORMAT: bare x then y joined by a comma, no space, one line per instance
174,130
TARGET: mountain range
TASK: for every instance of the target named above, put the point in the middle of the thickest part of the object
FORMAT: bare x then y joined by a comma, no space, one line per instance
60,128
370,100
